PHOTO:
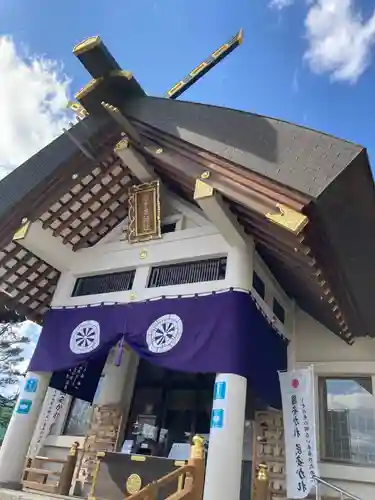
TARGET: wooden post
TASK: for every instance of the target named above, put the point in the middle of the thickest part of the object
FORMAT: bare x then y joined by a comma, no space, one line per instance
262,491
196,459
68,470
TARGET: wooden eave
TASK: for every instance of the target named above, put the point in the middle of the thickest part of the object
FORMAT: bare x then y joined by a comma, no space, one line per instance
83,199
27,283
291,257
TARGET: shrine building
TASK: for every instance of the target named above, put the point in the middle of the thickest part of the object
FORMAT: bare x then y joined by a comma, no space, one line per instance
177,256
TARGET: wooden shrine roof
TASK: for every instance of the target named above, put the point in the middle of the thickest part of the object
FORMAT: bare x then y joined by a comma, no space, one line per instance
77,187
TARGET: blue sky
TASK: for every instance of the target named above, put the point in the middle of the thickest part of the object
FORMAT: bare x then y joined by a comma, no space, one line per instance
306,61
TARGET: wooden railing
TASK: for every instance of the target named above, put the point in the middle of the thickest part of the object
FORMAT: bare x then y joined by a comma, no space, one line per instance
35,477
189,478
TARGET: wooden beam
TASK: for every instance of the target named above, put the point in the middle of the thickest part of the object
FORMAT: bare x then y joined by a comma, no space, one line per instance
134,161
124,123
213,206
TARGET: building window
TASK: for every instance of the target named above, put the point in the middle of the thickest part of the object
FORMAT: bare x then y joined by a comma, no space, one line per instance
104,283
278,310
78,419
347,420
258,285
188,272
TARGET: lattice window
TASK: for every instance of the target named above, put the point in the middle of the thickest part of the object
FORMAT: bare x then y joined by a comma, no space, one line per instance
188,272
104,283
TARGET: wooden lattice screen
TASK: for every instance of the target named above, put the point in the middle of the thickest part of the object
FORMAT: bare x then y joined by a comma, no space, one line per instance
102,435
269,449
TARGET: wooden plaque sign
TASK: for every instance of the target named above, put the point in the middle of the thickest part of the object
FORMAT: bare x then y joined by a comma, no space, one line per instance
144,212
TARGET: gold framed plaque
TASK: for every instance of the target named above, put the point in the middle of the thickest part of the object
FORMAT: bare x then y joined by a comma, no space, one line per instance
144,212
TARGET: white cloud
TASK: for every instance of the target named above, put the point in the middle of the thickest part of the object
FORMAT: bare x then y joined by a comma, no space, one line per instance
340,40
351,402
295,81
280,4
33,96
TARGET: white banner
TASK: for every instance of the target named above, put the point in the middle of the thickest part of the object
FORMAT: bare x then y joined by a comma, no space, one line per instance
297,392
45,423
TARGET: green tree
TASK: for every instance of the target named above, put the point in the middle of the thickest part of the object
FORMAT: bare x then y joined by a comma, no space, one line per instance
12,345
6,409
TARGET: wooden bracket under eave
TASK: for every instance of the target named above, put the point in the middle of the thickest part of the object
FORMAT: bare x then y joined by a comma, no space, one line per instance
288,219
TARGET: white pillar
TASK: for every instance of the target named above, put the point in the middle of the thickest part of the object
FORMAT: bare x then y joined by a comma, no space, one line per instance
224,461
21,428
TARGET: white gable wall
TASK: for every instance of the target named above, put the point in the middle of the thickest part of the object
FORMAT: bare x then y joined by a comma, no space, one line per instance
195,238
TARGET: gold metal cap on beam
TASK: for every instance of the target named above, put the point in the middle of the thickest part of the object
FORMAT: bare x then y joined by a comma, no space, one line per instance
88,88
240,36
121,73
21,233
122,144
86,45
288,219
202,190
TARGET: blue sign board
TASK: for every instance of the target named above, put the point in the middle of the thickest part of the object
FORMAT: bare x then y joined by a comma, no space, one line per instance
24,406
31,385
217,418
220,389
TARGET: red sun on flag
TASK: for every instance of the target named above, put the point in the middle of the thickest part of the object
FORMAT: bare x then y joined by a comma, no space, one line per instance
295,383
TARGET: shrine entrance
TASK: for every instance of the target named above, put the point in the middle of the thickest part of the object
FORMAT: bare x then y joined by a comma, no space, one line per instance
169,407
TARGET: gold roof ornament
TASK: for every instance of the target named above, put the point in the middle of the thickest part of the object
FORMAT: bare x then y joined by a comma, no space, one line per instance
288,219
78,109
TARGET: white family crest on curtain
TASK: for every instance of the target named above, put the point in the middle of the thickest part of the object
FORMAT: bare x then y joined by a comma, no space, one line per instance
164,333
297,393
